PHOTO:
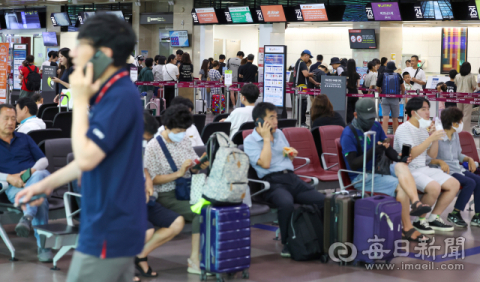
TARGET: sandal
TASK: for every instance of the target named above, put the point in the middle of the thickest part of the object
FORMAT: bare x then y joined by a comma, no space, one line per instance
418,210
140,269
136,278
408,236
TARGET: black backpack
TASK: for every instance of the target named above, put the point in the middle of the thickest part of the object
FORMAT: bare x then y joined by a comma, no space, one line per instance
305,234
33,80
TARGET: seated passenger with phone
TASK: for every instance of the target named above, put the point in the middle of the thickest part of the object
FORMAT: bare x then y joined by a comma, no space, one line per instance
402,188
22,164
271,156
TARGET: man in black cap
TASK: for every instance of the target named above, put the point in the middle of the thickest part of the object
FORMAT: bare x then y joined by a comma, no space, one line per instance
301,74
390,83
337,66
398,183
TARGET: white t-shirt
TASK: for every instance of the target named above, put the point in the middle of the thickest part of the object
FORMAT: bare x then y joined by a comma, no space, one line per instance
238,117
420,76
233,64
170,72
192,133
30,124
407,133
158,72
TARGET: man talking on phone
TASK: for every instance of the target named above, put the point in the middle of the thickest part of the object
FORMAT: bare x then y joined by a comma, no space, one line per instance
107,144
271,156
22,164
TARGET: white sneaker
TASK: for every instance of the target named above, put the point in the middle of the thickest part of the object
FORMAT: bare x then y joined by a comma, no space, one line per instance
423,227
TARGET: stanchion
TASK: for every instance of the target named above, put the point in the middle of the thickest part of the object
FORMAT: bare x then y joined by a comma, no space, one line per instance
295,104
176,90
194,96
227,99
300,111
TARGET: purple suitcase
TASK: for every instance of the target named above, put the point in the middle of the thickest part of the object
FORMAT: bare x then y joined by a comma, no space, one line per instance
225,240
378,219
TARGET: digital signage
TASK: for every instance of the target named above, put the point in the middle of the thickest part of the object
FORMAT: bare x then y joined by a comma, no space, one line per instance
362,39
240,14
206,15
273,13
386,11
314,12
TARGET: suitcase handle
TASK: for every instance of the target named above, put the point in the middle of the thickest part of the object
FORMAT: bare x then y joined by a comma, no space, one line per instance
366,135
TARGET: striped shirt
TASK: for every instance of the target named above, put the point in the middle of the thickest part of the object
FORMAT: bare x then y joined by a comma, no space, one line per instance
407,133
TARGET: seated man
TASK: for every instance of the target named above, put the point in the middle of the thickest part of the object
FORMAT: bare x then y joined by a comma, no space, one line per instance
248,96
26,116
265,148
170,223
403,187
192,131
19,153
431,181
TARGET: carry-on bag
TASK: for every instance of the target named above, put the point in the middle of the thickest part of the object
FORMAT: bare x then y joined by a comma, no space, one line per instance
377,220
216,104
225,240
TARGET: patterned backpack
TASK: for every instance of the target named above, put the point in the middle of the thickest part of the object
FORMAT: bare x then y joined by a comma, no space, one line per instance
227,183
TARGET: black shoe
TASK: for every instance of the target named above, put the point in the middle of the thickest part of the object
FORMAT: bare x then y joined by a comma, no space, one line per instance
457,219
285,252
439,225
423,227
475,221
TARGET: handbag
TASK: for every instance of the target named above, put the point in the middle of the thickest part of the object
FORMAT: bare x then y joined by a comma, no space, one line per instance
182,184
198,182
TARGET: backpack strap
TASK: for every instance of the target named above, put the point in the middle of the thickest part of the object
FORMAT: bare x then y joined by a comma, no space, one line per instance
354,130
167,153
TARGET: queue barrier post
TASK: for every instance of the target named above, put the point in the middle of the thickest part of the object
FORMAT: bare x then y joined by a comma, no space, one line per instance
227,100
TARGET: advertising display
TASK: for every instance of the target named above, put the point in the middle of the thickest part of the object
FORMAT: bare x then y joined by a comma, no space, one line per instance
60,19
206,16
314,12
19,55
437,10
22,20
273,13
362,39
49,38
179,38
48,85
3,71
386,11
354,13
454,48
274,75
240,14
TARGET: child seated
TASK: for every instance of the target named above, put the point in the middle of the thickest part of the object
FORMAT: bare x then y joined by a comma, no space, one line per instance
38,99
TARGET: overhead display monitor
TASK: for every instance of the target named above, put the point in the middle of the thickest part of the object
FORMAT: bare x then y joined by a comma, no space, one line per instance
119,14
314,12
22,20
49,38
206,16
240,14
386,11
273,13
179,38
61,19
354,13
437,10
362,39
454,48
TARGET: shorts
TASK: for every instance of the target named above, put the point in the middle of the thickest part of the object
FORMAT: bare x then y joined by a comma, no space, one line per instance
424,175
385,184
159,216
391,104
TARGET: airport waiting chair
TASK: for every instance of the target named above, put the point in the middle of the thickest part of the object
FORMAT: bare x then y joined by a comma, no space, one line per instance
329,156
50,113
213,127
43,107
285,123
64,122
45,134
199,121
56,151
219,117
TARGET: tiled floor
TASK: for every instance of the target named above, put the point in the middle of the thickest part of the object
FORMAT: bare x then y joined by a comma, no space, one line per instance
170,261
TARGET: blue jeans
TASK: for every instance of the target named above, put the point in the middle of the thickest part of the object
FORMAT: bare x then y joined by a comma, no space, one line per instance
470,184
40,213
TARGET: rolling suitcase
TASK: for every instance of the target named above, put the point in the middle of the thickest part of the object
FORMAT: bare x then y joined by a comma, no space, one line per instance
158,105
338,220
225,240
377,222
201,106
216,104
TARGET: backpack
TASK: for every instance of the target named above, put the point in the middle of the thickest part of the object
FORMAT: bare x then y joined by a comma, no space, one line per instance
227,183
391,84
33,80
305,234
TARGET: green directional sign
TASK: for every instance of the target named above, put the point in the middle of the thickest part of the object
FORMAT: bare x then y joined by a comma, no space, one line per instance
240,14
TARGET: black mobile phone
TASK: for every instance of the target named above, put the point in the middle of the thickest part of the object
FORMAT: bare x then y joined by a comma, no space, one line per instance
26,175
406,150
259,122
201,161
100,63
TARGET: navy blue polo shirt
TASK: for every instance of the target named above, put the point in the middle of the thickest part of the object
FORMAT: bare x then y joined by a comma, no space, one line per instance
349,144
113,212
22,153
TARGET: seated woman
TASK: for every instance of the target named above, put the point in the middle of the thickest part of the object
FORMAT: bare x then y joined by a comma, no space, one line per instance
449,158
176,119
323,114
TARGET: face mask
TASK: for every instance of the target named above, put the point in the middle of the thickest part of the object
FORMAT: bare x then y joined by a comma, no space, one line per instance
176,137
365,124
424,123
459,128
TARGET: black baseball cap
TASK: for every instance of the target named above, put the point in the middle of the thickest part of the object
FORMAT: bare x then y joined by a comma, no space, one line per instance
366,108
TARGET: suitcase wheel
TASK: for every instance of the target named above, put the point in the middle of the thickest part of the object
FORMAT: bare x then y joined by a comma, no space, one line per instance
203,276
324,258
245,274
219,278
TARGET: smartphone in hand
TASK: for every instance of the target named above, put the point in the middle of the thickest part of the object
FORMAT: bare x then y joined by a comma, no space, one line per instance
200,162
406,150
26,175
